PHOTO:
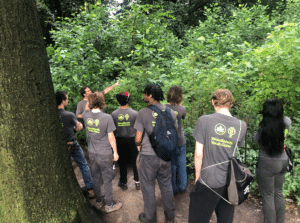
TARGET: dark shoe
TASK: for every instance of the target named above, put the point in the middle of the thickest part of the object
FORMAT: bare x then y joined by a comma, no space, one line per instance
123,186
138,185
91,193
142,217
113,207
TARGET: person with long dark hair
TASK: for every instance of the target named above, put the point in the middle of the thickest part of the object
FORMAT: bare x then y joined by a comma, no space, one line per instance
273,160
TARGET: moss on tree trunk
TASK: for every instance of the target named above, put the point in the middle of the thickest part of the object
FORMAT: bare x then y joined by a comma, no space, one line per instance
37,181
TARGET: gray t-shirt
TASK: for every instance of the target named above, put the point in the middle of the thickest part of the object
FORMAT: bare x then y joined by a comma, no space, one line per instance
282,156
219,134
81,107
124,120
146,120
180,112
69,122
98,125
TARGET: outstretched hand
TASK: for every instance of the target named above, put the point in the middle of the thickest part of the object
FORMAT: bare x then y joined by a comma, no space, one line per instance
117,84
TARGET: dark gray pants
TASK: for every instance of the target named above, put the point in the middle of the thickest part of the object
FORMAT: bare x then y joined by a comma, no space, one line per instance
101,168
270,176
151,168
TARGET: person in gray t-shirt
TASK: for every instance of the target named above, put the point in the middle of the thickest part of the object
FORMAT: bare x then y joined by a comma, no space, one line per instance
85,92
70,125
178,162
124,119
216,136
150,166
273,160
102,149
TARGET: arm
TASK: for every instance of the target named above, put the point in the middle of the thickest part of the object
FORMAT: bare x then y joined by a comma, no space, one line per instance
87,106
198,159
138,140
108,89
78,126
79,116
112,141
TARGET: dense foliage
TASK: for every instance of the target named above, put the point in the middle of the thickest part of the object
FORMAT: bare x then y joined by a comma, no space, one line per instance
245,51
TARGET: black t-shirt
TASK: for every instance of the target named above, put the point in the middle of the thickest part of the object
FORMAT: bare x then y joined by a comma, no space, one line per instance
69,121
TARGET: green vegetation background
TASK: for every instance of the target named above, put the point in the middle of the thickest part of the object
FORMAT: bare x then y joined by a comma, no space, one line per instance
251,51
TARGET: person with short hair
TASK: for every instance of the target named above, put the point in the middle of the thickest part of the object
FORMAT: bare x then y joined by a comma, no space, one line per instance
102,150
70,125
272,160
150,166
85,92
216,136
124,119
178,162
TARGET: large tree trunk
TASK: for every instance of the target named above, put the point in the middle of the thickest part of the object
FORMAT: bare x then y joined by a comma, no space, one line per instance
37,180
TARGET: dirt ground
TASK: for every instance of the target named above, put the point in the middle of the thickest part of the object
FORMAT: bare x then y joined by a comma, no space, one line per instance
133,205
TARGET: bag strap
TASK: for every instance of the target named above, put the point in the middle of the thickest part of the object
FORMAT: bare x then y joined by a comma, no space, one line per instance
222,163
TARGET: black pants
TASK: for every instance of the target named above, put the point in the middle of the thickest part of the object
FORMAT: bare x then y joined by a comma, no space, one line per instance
203,202
127,155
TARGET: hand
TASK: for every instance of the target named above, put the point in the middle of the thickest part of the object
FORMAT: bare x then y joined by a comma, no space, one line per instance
117,84
116,156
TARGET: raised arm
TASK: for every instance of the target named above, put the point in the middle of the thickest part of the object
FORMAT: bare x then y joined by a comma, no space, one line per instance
108,89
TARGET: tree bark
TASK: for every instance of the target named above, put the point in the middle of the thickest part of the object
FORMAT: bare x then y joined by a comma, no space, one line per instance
37,180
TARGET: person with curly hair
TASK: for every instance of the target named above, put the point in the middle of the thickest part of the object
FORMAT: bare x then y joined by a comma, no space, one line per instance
273,160
178,162
102,150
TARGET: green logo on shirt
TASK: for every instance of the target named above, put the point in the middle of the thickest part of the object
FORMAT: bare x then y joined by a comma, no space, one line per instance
154,114
97,122
90,121
121,117
127,117
176,113
231,131
220,129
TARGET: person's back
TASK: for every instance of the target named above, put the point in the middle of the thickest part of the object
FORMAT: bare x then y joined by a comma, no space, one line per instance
124,119
102,150
273,160
216,136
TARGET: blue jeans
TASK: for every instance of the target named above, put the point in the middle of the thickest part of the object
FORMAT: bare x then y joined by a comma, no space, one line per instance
82,164
178,170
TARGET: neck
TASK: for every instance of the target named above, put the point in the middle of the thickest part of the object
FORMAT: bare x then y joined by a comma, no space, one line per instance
124,107
224,111
85,98
153,102
61,106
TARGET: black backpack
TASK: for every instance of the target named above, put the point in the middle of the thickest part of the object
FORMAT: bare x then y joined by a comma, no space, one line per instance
164,137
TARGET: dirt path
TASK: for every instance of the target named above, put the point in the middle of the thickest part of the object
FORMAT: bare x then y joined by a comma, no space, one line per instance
133,205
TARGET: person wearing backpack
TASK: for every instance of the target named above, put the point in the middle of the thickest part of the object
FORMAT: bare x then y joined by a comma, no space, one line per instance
124,119
178,162
151,167
216,137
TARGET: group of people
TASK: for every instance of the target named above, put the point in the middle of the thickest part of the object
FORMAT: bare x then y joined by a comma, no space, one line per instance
124,136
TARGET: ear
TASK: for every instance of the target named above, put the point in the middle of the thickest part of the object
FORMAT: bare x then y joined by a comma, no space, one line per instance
213,102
